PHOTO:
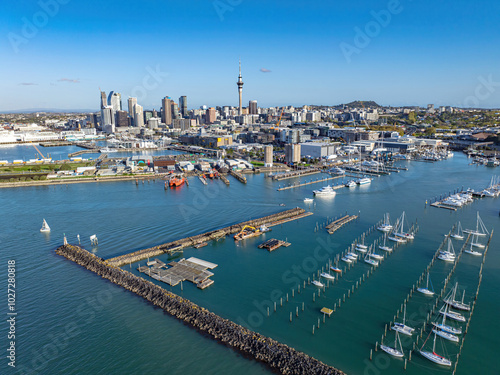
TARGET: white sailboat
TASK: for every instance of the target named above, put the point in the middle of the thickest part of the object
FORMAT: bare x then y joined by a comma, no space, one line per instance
402,327
450,300
433,356
318,283
480,228
327,276
346,260
446,328
395,352
399,232
458,235
426,290
451,314
45,227
384,246
448,255
386,225
472,252
475,242
374,255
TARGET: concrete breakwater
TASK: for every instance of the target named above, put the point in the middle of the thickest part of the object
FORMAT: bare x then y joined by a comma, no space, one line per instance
276,355
281,217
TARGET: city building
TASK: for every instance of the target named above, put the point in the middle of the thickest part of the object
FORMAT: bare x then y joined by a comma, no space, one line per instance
268,156
131,104
252,107
210,115
121,119
183,106
318,150
292,153
166,110
138,116
115,101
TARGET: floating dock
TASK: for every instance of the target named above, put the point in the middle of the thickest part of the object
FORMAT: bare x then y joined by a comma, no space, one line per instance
179,245
445,206
273,244
339,223
238,176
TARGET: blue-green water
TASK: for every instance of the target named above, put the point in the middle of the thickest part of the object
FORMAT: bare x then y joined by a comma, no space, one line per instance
72,322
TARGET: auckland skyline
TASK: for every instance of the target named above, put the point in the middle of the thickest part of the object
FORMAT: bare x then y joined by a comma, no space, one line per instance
58,53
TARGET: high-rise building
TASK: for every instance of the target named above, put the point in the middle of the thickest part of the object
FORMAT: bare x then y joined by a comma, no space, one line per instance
292,153
166,110
210,116
121,118
268,156
175,111
252,107
240,91
138,116
183,106
104,101
131,104
115,101
107,116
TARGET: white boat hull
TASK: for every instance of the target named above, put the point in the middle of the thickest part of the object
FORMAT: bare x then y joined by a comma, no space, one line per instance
392,351
385,248
425,291
446,335
402,328
436,358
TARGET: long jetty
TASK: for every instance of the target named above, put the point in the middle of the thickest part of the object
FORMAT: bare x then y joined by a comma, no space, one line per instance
296,173
308,183
271,220
339,223
274,354
238,176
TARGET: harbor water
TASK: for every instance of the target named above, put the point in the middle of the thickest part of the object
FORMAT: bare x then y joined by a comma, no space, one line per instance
70,321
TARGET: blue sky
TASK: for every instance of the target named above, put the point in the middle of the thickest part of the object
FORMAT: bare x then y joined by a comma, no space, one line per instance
57,53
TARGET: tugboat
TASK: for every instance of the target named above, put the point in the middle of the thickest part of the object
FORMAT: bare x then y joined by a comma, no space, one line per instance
175,181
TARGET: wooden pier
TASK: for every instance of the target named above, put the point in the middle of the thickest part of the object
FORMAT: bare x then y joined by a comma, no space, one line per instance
273,244
445,206
310,182
238,176
339,223
179,245
224,179
298,173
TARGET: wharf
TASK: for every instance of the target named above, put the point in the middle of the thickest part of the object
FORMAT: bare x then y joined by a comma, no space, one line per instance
293,174
309,183
273,244
224,179
179,245
370,172
445,206
339,223
55,144
238,176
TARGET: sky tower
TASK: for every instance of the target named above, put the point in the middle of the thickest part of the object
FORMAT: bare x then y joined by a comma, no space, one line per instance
240,90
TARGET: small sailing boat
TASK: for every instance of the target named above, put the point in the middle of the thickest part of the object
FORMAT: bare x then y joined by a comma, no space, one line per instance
386,225
361,247
480,228
374,255
448,255
399,232
45,227
395,352
451,314
472,252
445,333
450,300
346,260
446,328
475,242
318,283
402,327
426,290
327,276
459,234
335,269
433,356
384,246
368,258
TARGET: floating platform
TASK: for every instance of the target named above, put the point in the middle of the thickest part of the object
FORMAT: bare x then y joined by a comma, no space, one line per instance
273,244
445,206
339,223
311,182
327,311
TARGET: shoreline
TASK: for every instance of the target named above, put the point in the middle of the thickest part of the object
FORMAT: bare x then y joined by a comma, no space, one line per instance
76,181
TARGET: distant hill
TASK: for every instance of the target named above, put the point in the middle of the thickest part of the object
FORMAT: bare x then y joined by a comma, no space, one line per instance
50,110
362,103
